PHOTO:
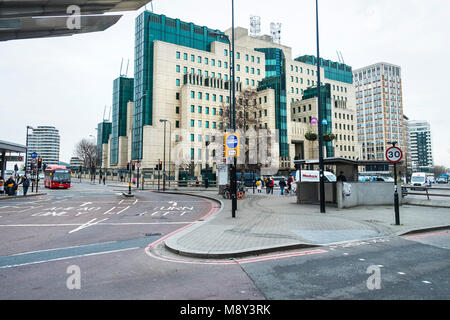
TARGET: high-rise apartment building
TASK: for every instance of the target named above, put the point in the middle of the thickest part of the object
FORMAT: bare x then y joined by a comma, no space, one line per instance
379,109
421,147
44,140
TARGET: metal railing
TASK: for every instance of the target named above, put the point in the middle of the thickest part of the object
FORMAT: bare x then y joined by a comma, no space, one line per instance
406,190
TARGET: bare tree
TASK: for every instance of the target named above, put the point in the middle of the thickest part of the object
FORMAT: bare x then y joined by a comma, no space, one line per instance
86,150
248,117
438,170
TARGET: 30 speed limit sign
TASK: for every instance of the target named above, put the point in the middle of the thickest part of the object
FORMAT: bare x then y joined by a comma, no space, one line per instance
394,154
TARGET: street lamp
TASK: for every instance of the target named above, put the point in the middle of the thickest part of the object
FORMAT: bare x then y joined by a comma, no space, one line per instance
320,114
26,154
170,149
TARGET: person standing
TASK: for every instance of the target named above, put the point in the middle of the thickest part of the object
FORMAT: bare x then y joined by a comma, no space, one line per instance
341,177
258,185
2,185
271,185
25,182
11,186
282,184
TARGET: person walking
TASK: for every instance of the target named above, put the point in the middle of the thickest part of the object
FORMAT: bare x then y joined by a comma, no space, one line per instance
25,182
266,183
271,185
282,184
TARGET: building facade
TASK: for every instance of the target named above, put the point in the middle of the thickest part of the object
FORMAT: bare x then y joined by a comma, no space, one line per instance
45,141
182,75
379,109
420,145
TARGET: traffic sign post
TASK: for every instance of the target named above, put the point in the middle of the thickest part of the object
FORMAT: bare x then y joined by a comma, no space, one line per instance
232,150
394,155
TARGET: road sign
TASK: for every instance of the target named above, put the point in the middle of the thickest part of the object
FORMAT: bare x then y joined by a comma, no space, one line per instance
231,144
394,154
33,160
138,164
14,158
34,155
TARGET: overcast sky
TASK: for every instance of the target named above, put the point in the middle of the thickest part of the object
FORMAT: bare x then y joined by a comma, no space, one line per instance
67,81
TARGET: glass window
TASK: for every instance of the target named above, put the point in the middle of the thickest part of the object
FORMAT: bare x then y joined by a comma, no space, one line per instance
214,125
177,110
177,82
184,70
206,124
192,108
192,137
199,95
178,54
192,94
258,59
199,123
238,55
253,70
213,62
206,60
207,96
185,56
192,58
178,68
199,59
246,57
246,69
225,52
225,65
192,123
219,63
214,97
214,111
238,67
206,74
253,59
199,109
199,138
258,72
206,110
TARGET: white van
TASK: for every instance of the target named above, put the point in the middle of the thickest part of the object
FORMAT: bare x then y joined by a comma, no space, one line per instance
313,176
421,179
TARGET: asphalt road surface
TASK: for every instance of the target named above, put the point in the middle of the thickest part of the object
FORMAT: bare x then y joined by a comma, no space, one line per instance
91,242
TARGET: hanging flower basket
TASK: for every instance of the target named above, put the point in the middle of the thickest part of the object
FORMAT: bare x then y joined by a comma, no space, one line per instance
311,136
328,137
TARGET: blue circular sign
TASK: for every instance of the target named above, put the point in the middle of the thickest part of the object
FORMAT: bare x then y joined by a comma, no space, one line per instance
232,141
34,155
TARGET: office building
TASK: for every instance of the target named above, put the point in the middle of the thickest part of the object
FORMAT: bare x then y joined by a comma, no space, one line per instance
45,141
379,109
421,147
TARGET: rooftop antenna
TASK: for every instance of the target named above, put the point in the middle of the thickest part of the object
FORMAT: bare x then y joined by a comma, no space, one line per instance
109,116
127,67
340,56
255,26
104,110
275,32
121,62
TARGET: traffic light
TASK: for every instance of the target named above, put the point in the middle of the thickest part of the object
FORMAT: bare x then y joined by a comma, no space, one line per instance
133,166
39,163
128,166
160,165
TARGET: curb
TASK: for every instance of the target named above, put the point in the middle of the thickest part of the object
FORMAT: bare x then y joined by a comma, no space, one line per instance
22,196
239,254
414,231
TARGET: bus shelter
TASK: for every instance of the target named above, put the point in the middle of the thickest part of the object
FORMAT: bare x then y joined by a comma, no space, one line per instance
9,147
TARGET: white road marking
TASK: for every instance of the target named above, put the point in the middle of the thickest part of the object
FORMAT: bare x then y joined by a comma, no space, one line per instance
402,273
110,210
71,257
362,259
78,224
427,282
135,201
84,204
120,201
88,224
122,210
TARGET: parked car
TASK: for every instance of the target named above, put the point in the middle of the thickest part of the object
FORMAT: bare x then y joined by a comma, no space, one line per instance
441,180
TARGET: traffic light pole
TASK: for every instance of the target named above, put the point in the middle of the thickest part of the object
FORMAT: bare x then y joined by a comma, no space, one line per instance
129,183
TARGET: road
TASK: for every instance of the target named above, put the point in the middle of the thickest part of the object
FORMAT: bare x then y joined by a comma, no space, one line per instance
113,245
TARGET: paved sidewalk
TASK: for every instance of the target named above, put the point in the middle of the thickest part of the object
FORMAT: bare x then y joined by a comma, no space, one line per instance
266,223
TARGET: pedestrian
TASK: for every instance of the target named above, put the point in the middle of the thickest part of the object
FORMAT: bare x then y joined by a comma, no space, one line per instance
258,185
104,179
25,182
266,183
282,184
341,177
11,186
290,180
271,185
2,185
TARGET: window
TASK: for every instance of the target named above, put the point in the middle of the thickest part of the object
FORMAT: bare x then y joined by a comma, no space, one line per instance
192,108
178,54
199,72
296,68
258,72
177,124
177,95
225,52
265,112
206,60
246,69
184,70
199,123
206,110
246,57
265,99
258,60
192,123
253,82
177,82
206,124
192,137
206,74
200,95
213,125
199,59
178,68
185,56
199,109
207,96
214,97
253,59
192,58
219,63
213,62
253,70
177,110
238,67
192,70
225,65
192,154
214,111
220,98
192,94
238,55
199,138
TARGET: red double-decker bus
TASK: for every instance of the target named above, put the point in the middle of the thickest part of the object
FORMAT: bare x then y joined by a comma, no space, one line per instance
57,177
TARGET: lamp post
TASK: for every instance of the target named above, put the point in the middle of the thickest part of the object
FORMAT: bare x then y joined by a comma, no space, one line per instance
320,114
26,154
164,154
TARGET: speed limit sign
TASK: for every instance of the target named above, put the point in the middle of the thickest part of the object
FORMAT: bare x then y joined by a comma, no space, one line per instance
394,154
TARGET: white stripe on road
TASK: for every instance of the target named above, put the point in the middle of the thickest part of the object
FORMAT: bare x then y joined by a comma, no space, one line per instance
122,210
88,224
77,224
110,210
65,258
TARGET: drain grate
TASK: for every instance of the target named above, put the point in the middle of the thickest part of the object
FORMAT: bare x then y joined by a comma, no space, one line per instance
152,234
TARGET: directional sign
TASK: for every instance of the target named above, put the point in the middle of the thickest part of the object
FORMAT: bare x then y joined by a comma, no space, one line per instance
14,158
394,154
231,144
138,164
33,155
